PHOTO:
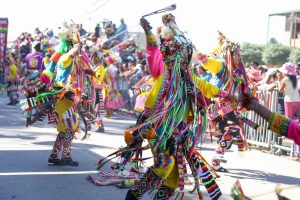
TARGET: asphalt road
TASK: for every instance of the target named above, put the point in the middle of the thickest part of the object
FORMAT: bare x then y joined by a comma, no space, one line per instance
25,174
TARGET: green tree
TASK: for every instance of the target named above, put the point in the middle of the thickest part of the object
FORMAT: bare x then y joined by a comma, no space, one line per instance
251,53
273,41
294,55
275,54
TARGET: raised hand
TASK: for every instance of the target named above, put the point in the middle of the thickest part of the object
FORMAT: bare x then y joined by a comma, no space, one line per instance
145,25
248,101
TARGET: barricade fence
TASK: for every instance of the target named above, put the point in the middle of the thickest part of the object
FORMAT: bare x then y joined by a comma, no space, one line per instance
263,137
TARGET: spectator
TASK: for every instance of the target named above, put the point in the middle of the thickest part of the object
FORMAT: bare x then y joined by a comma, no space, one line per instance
82,31
97,31
263,70
123,85
122,30
288,85
203,74
269,82
254,65
298,68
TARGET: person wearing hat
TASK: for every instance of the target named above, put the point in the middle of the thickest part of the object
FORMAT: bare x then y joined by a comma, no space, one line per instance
34,60
65,108
173,104
99,82
289,85
32,84
226,64
13,80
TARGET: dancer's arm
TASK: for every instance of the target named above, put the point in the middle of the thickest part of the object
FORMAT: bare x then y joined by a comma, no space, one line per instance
212,65
209,90
153,54
69,57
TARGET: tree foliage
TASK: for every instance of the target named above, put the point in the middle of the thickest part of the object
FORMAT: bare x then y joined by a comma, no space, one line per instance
275,54
251,53
294,55
273,41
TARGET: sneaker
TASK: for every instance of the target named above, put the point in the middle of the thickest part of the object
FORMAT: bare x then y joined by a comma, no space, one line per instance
220,158
221,169
53,161
69,161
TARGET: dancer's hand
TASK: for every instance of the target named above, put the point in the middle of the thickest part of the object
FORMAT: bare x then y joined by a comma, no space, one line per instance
248,101
75,50
145,25
200,56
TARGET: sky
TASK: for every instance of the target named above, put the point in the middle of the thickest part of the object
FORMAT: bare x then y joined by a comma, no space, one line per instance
240,20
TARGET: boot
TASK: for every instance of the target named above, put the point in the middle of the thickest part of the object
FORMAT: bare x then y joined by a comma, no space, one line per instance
130,196
163,193
148,181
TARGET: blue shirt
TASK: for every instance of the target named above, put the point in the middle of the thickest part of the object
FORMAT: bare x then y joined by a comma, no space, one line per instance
121,28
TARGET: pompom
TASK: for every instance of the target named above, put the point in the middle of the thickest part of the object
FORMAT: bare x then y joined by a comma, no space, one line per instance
48,73
77,91
45,79
128,137
151,134
167,32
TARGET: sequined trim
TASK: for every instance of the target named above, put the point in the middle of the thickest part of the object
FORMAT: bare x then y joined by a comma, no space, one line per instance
151,39
279,124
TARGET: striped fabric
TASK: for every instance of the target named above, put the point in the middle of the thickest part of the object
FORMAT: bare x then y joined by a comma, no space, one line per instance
31,102
69,118
181,166
208,181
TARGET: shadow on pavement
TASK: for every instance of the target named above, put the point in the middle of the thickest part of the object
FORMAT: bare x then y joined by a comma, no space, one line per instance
82,146
263,176
18,136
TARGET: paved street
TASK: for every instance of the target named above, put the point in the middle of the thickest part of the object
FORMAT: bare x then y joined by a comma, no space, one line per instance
25,174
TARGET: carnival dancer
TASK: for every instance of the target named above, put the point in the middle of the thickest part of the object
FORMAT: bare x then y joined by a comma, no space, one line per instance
32,84
113,100
13,81
99,83
142,88
65,109
168,121
225,62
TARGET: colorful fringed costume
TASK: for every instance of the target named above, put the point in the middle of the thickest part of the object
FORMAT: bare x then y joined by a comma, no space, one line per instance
32,84
13,81
99,84
64,96
170,119
226,64
142,90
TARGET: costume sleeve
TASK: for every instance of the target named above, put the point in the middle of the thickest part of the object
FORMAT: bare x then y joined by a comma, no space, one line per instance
154,57
13,71
285,127
66,60
294,131
209,90
213,65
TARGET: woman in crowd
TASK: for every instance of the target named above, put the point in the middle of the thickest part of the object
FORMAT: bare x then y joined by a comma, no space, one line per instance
289,86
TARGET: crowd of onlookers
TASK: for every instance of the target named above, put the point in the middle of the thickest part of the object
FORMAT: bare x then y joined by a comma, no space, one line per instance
128,66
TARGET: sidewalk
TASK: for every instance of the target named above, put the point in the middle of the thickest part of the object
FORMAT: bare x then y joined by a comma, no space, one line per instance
25,175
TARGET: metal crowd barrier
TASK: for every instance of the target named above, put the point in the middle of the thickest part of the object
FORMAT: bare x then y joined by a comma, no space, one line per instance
263,137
